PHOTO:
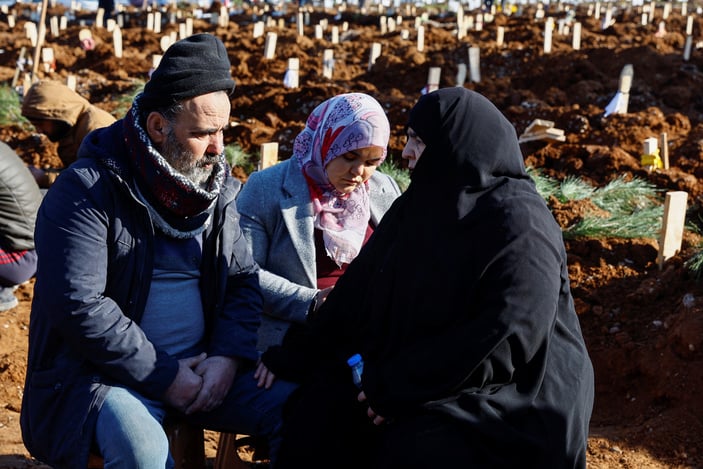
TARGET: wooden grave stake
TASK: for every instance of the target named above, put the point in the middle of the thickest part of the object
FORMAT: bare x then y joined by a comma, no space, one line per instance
625,85
166,42
258,29
664,146
460,74
683,9
11,21
460,28
548,27
500,36
576,39
375,53
41,33
328,63
667,11
391,25
269,155
475,64
99,17
150,21
54,26
433,79
20,65
404,34
30,31
672,226
224,17
71,82
318,31
26,83
155,60
189,27
479,22
117,41
335,34
270,45
687,48
47,58
421,38
110,25
291,78
299,24
383,24
650,158
182,31
689,25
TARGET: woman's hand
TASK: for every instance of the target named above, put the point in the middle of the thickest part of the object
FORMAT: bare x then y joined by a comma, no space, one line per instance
377,419
264,376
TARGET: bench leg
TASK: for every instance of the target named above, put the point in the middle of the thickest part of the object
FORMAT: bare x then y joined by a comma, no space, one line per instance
227,456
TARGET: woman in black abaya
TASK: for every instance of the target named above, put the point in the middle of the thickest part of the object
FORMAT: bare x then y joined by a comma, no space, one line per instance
460,307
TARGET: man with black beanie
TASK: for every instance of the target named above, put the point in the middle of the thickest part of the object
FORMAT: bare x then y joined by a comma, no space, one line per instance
147,298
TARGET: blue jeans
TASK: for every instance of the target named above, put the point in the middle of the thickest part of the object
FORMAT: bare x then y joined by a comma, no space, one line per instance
129,432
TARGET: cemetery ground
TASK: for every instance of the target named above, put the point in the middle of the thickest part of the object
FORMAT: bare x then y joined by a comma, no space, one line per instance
642,320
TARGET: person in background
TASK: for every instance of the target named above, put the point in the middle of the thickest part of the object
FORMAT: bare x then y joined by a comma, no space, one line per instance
461,309
64,117
19,201
307,217
147,297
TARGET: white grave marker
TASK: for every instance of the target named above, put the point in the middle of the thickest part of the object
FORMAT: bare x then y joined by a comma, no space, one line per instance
421,38
460,74
291,78
270,45
475,64
500,36
117,41
328,63
433,79
258,29
576,38
375,53
71,82
548,27
99,16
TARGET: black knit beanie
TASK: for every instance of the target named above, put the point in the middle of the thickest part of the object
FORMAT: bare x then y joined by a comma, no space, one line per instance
191,67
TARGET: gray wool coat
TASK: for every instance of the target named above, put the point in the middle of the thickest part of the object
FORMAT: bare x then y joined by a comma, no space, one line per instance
277,220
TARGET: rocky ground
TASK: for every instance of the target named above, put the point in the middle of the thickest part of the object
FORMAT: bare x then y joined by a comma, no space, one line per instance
643,325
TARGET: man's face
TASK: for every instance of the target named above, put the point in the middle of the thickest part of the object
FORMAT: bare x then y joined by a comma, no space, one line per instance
194,142
50,128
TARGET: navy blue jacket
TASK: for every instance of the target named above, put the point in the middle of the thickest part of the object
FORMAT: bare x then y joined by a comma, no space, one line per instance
95,245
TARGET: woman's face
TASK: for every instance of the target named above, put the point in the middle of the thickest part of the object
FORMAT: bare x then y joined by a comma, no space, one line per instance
349,170
413,148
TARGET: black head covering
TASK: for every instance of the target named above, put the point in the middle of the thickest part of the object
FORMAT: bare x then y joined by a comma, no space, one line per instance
469,140
460,303
191,67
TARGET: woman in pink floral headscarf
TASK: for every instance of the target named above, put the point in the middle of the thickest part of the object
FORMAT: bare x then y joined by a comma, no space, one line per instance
308,217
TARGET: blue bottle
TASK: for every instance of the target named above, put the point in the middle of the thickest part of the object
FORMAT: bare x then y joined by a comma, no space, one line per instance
356,363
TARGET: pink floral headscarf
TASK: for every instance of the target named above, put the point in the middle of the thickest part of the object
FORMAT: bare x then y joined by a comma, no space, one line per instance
341,124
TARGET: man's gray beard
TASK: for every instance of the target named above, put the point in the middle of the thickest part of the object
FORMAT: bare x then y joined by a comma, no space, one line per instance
184,161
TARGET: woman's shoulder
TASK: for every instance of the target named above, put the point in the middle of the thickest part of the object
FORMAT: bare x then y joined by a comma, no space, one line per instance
383,182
